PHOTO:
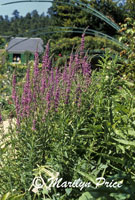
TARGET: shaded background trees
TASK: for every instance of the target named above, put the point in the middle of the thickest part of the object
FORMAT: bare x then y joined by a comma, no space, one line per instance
65,15
19,25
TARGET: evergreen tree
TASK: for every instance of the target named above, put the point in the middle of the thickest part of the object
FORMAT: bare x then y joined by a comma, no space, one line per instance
73,16
15,14
27,26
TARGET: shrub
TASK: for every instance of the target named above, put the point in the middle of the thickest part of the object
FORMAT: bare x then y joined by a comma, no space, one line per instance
128,55
65,45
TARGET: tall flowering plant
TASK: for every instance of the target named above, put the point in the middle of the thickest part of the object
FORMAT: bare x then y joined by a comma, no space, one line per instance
48,103
50,89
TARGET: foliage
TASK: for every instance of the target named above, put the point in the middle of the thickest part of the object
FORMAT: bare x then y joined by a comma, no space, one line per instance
129,8
79,15
8,196
70,121
23,26
6,73
128,55
118,133
28,56
64,45
2,42
79,123
76,17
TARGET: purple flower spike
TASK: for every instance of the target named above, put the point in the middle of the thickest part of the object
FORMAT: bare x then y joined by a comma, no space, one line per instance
43,85
82,44
57,96
52,77
48,100
86,68
46,63
70,65
17,106
49,65
57,77
28,76
68,92
26,96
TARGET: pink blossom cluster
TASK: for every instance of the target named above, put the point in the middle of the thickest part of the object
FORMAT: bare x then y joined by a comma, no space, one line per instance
49,88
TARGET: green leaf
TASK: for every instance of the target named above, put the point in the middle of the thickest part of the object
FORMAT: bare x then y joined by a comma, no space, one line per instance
119,132
112,158
120,196
129,143
91,178
45,191
5,196
17,197
68,191
86,196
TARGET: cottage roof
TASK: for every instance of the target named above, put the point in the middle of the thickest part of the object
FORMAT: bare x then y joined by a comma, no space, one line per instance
21,44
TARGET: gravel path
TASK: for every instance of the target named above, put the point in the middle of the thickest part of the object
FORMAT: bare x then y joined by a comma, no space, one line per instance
4,127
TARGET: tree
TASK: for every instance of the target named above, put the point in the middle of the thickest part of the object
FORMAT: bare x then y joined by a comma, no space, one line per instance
130,8
6,18
16,14
34,13
66,15
1,18
26,26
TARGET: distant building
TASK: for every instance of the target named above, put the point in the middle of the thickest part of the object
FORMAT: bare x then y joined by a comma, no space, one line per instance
20,49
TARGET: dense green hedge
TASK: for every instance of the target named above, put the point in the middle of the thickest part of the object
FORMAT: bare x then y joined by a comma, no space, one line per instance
65,45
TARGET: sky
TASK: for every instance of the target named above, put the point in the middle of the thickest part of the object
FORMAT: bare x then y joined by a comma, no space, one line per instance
23,8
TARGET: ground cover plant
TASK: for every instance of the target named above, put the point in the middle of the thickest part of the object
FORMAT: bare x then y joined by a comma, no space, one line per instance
74,122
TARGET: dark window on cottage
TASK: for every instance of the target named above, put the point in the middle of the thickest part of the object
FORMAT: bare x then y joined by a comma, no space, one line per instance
16,57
